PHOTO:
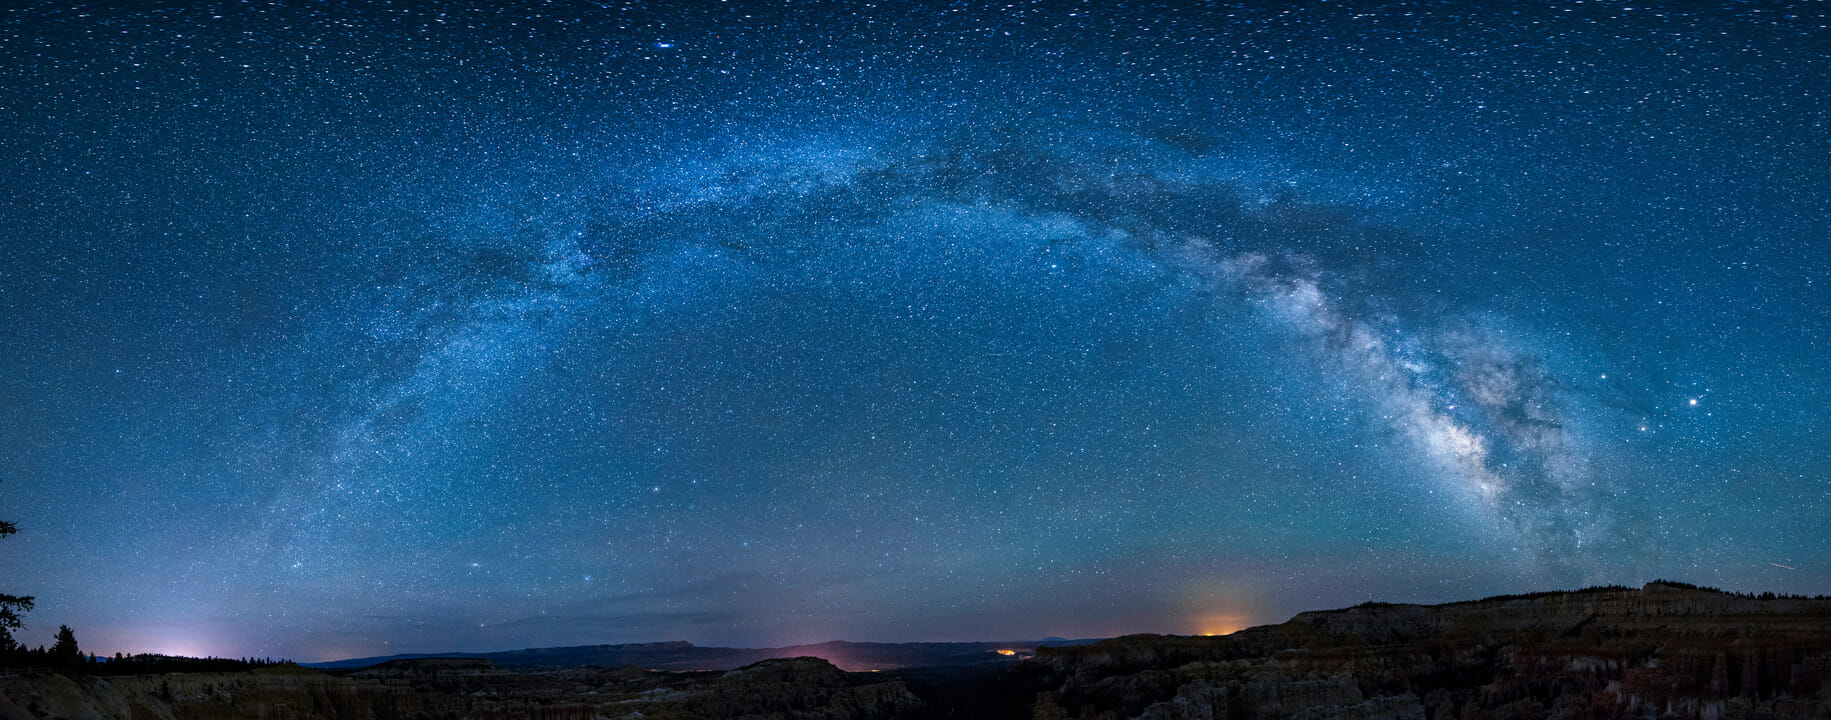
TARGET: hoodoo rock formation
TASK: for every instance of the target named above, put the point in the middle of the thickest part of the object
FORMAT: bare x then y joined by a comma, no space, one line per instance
1667,650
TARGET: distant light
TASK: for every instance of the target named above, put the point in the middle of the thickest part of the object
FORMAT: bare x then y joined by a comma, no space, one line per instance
1007,652
1222,623
1694,402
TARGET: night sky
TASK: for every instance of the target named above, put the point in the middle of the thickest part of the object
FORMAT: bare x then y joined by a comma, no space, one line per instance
334,330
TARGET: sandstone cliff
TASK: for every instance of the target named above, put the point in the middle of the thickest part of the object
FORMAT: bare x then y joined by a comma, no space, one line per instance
1663,651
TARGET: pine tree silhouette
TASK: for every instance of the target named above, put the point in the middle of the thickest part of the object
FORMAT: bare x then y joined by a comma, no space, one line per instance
10,608
65,653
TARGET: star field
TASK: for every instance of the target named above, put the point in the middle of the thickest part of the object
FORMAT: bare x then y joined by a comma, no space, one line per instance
346,330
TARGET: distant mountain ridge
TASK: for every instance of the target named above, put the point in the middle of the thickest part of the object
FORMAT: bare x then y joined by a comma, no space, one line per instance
680,655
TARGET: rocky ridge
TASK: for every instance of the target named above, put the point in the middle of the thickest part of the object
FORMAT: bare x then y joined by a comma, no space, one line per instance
1663,651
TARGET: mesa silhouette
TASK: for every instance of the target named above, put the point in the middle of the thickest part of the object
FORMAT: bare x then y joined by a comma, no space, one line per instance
680,655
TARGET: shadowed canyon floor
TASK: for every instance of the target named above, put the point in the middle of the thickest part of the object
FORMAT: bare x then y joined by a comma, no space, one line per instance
1663,651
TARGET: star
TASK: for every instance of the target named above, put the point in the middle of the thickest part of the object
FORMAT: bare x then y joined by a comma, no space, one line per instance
954,333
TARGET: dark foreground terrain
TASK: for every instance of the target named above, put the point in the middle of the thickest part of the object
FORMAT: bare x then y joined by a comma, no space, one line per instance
467,688
1663,651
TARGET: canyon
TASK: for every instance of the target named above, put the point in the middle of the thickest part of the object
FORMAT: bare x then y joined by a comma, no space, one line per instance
1665,650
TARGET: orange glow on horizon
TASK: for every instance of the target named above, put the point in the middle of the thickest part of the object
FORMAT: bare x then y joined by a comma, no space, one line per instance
1221,624
1007,652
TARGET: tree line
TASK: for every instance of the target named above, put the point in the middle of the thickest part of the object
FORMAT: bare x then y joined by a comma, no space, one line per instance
65,655
11,607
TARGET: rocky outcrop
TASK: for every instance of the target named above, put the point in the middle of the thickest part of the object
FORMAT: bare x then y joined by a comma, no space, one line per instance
1662,651
797,689
803,687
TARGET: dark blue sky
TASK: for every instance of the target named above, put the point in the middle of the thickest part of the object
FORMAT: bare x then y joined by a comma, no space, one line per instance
347,330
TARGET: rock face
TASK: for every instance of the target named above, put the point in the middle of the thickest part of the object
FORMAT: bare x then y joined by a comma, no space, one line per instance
1663,651
797,688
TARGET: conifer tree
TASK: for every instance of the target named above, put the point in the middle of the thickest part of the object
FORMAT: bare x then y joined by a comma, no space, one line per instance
11,606
65,652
